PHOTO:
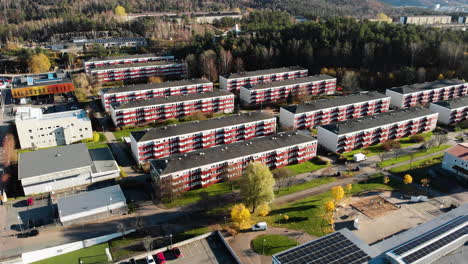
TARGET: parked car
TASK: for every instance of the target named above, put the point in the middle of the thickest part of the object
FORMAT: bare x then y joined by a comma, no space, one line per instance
30,201
160,258
31,233
150,259
176,252
359,157
132,261
260,226
422,147
356,169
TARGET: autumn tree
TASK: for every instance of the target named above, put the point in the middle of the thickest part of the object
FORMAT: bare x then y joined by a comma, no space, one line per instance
263,209
386,179
10,155
120,11
155,79
240,215
349,187
384,18
337,193
39,63
407,179
208,66
330,206
257,185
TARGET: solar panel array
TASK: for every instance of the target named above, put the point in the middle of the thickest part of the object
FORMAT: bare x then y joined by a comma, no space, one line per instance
435,245
426,237
332,249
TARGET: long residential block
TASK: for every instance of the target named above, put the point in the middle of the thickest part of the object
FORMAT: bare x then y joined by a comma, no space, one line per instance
154,90
163,108
235,81
325,111
451,111
280,90
180,138
126,59
205,167
424,93
370,130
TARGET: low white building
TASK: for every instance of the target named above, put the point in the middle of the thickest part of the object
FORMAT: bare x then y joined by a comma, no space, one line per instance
52,169
38,130
451,111
456,161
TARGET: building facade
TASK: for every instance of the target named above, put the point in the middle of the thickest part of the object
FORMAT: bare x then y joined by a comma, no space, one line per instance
424,93
425,20
325,111
370,130
163,108
452,111
148,91
235,81
181,138
456,161
38,130
119,60
205,167
281,90
41,84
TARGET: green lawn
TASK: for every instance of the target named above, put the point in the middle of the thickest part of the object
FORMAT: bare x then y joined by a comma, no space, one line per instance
194,196
94,254
423,163
190,233
308,166
272,244
119,135
304,186
417,154
101,143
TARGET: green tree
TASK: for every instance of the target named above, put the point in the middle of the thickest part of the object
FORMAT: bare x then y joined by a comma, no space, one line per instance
257,185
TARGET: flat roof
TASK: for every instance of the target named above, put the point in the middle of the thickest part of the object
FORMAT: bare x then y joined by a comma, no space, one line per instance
45,161
25,114
127,57
418,87
103,160
41,79
334,102
366,122
207,156
151,86
314,78
170,99
264,72
454,103
110,40
192,127
87,201
134,65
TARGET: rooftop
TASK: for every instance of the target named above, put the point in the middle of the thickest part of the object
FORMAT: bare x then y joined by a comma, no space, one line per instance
418,87
460,150
127,57
367,122
170,99
29,113
286,82
103,160
134,65
454,103
264,72
150,86
111,40
334,102
197,126
87,201
42,79
207,156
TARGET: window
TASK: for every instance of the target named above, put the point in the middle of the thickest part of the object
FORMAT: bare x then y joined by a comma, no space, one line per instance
31,137
30,130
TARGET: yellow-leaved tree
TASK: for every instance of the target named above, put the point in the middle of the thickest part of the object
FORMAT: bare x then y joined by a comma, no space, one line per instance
120,11
407,179
263,209
349,187
39,63
337,193
240,215
330,206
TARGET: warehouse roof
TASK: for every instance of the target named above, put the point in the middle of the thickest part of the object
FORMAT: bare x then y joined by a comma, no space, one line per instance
151,86
454,103
127,57
198,126
227,152
334,102
170,99
418,87
134,65
286,82
367,122
264,72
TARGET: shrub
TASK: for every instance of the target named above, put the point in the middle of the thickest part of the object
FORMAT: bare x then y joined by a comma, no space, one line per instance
319,161
417,138
122,173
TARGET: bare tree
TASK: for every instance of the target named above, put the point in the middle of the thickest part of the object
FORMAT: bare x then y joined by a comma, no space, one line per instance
383,155
327,172
430,143
147,243
441,139
283,177
167,190
207,64
225,61
121,229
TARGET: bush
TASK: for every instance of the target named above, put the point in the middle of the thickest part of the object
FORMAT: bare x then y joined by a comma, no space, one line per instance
319,161
122,173
417,138
389,145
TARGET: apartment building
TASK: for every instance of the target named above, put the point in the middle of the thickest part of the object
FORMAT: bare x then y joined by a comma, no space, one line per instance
163,108
425,20
370,130
280,90
125,59
205,167
38,130
424,93
180,138
456,161
325,111
234,81
452,111
153,90
36,85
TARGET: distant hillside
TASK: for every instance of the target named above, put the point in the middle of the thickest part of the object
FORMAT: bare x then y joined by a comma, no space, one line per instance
429,3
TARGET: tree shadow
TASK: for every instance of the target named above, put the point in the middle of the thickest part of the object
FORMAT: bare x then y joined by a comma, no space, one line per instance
294,219
292,209
345,224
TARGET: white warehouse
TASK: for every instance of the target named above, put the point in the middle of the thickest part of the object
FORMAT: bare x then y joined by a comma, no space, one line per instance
38,130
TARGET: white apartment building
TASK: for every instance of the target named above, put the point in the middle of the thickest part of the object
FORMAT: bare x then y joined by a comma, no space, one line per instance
38,130
456,161
452,111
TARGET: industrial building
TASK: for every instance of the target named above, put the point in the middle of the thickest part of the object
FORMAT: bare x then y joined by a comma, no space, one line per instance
205,167
424,93
234,81
370,130
251,95
52,169
81,44
92,205
425,20
38,130
40,85
456,161
163,108
181,138
125,59
452,111
153,90
325,111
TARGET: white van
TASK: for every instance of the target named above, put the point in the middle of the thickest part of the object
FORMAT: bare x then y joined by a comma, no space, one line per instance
359,157
260,226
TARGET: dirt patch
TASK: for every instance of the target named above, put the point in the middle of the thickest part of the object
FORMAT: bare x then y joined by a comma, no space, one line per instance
373,206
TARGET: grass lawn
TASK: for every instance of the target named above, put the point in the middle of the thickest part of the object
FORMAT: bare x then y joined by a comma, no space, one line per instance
119,135
191,233
101,143
304,186
308,166
423,163
94,254
272,244
417,154
194,196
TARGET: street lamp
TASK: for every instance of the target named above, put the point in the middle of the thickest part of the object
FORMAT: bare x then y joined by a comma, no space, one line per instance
170,236
20,224
263,247
224,220
281,216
